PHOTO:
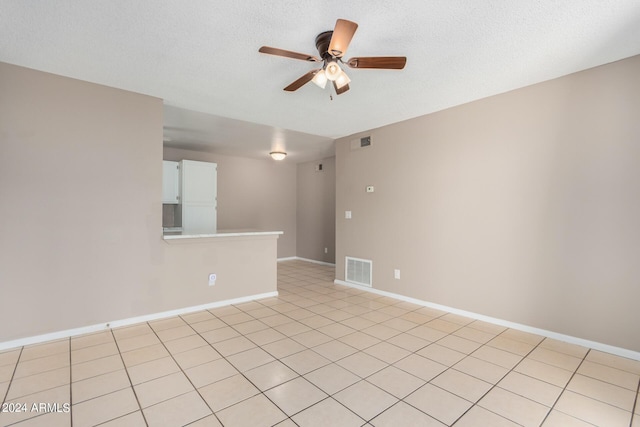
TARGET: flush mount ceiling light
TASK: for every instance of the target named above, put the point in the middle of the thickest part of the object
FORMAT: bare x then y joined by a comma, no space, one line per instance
278,155
332,45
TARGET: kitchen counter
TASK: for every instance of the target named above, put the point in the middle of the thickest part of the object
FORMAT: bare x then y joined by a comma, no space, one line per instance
243,264
169,236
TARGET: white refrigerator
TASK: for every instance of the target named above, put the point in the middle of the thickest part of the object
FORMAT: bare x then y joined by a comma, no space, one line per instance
198,185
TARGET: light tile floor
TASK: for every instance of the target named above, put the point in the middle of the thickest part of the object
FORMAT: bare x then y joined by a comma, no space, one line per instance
319,354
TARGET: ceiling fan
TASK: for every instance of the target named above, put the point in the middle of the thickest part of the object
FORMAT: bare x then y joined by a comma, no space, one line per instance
332,45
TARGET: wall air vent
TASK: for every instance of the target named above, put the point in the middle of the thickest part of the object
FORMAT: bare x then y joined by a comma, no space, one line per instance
358,271
363,142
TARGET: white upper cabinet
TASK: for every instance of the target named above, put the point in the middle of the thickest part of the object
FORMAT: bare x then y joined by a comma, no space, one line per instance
170,182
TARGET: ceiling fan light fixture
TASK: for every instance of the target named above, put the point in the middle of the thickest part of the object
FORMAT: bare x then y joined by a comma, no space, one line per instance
320,79
332,70
278,155
332,47
342,80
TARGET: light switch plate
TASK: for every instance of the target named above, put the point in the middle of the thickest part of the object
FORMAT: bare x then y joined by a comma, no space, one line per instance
347,214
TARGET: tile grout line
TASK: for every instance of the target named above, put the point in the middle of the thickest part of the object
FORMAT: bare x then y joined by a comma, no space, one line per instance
15,368
328,396
400,332
505,330
129,378
70,385
362,350
509,371
635,405
289,417
584,359
182,370
494,385
242,334
261,392
451,367
566,385
239,372
381,341
497,382
414,352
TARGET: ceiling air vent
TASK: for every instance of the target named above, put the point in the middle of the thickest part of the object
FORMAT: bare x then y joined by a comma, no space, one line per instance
358,271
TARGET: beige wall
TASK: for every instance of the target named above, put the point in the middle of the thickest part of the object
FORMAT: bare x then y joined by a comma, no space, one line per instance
80,217
252,193
524,206
316,220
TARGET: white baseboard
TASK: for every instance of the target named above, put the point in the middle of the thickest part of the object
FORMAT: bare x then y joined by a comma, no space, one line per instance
130,321
316,262
296,258
618,351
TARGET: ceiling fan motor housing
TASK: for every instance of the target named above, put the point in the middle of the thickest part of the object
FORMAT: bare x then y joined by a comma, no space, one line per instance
322,44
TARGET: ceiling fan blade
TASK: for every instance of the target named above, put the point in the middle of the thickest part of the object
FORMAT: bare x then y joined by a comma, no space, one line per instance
342,90
342,35
288,54
301,81
383,62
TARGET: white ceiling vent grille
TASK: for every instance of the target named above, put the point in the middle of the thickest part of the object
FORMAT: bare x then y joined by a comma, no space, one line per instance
358,271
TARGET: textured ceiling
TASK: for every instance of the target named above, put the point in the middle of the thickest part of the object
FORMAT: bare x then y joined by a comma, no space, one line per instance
203,55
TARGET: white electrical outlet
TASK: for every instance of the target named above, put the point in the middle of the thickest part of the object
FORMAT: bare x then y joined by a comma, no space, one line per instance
396,274
347,214
370,189
212,279
326,250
